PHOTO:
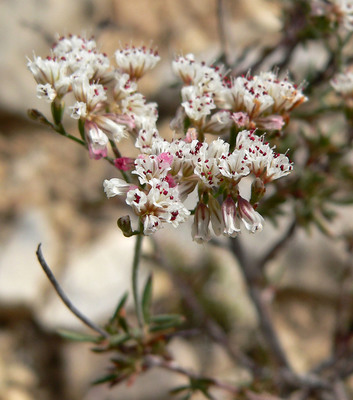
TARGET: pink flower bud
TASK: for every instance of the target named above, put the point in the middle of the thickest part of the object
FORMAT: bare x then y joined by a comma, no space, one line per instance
200,231
252,220
230,218
124,163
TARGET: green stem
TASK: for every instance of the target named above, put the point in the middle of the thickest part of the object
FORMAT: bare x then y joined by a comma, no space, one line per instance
232,138
135,271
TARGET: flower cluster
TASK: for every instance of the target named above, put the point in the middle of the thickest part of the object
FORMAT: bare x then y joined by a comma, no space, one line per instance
170,171
343,84
107,102
337,11
261,101
194,163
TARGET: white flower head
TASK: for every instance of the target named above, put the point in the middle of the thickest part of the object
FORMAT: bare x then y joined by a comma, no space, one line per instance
46,92
136,61
196,104
115,187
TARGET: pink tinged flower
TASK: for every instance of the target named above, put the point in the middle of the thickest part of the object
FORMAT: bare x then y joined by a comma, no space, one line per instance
116,187
241,119
170,180
148,167
97,141
112,125
200,228
124,163
271,123
191,135
252,220
165,158
230,217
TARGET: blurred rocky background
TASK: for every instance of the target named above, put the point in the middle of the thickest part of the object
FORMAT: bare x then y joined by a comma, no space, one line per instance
51,192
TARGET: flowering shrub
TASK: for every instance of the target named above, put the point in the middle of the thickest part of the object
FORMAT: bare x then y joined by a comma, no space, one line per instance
230,132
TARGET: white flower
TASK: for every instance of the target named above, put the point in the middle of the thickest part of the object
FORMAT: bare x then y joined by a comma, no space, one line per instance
205,79
343,84
91,94
277,167
159,205
135,61
124,86
258,153
146,138
143,114
196,104
115,187
235,165
50,71
249,95
46,92
79,110
285,94
148,167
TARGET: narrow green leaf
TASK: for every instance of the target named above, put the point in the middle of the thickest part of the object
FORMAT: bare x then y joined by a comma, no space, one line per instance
120,338
104,379
81,129
164,327
119,306
147,300
123,323
79,337
179,389
167,318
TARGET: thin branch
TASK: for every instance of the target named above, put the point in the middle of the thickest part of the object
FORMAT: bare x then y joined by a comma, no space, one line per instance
135,271
155,361
279,245
213,329
63,296
253,278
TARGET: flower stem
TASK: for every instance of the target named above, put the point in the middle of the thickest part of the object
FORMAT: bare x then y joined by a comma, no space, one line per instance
135,271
